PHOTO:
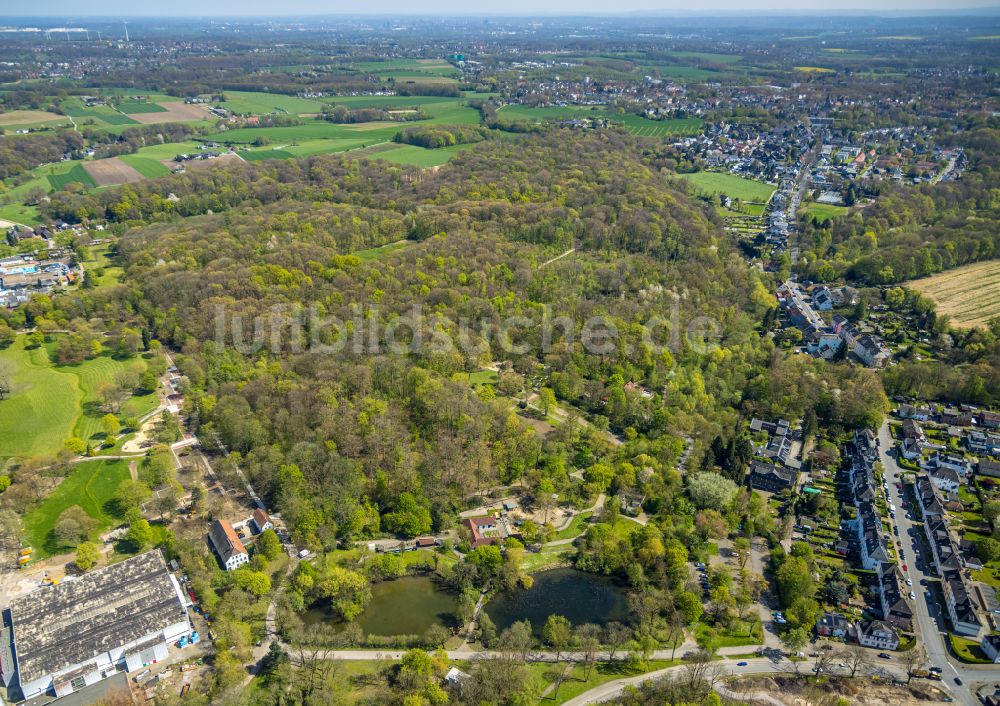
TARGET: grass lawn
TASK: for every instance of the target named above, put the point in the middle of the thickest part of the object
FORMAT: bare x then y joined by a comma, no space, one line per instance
480,377
823,211
44,404
576,527
19,213
968,650
260,102
91,485
547,558
420,156
578,682
102,268
259,155
739,637
50,403
735,187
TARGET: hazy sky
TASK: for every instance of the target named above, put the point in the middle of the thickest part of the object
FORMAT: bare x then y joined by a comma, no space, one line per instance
219,8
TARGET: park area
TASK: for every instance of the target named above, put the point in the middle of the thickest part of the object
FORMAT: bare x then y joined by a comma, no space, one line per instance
50,403
970,295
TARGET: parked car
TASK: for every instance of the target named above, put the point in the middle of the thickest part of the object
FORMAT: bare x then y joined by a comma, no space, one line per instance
884,655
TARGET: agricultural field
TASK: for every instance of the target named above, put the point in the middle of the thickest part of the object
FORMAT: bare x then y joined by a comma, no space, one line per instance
50,403
635,124
413,68
735,187
146,166
91,486
22,119
259,103
111,171
131,107
172,112
970,295
76,173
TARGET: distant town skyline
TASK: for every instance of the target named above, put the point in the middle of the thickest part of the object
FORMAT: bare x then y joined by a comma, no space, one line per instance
265,8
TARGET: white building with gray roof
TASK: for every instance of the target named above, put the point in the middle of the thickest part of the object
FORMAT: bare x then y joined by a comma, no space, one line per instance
122,617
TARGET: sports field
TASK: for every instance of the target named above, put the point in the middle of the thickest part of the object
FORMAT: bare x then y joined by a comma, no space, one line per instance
735,187
49,404
970,295
91,485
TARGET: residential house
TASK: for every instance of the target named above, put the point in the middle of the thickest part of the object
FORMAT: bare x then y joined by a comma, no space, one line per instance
893,596
965,619
912,430
832,625
769,478
485,530
983,442
908,411
945,479
910,449
990,420
991,648
988,467
871,540
823,298
871,351
878,635
951,461
227,545
261,521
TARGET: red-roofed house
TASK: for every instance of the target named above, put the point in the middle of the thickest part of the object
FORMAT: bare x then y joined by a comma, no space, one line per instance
484,530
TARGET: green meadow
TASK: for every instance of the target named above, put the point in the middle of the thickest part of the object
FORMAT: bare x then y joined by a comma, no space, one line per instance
735,187
91,485
50,403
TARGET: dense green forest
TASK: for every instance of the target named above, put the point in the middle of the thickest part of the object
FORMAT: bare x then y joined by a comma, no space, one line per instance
346,443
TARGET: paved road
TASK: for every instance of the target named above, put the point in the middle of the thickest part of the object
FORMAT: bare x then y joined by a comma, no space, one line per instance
930,622
612,689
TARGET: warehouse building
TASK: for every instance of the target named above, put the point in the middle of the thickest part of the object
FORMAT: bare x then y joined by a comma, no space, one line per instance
122,617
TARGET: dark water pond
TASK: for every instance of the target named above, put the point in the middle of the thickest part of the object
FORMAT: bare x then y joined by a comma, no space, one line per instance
405,606
578,596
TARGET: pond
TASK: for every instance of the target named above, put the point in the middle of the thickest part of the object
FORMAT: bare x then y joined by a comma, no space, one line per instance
576,595
405,606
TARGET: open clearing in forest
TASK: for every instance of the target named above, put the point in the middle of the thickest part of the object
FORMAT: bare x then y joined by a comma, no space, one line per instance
970,295
111,171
